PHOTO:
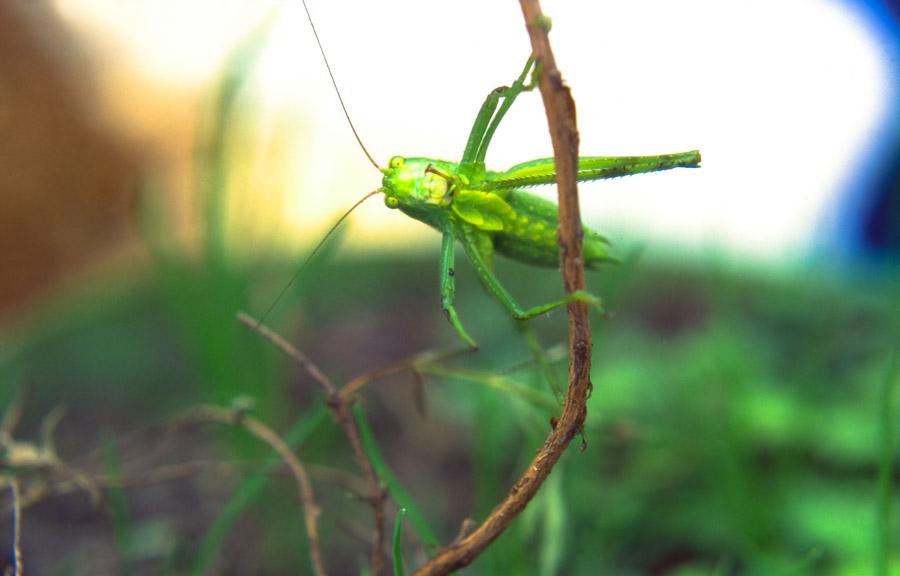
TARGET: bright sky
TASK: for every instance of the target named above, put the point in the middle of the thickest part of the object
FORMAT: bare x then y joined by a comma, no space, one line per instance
780,97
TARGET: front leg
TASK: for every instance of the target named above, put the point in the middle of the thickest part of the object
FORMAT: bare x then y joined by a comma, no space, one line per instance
448,284
471,238
489,118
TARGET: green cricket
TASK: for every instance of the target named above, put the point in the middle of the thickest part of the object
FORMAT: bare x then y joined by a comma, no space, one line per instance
488,211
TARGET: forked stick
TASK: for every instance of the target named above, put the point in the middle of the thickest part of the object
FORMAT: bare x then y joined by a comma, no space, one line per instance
340,408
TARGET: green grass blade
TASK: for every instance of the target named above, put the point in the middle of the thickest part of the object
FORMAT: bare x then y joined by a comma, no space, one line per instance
885,472
396,490
399,570
508,386
118,506
249,491
553,541
212,161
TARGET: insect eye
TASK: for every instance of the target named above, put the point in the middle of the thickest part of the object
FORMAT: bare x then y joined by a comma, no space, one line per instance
396,162
391,201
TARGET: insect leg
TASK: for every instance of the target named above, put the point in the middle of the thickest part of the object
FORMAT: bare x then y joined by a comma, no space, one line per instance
448,284
486,121
543,170
493,285
482,120
509,96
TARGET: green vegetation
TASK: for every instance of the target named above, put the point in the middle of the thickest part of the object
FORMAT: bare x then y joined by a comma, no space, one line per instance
737,424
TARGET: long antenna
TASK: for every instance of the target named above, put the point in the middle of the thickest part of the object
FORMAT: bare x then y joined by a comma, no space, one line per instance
338,91
313,253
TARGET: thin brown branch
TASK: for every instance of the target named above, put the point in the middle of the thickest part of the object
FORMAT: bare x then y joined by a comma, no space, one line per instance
270,437
158,475
289,350
178,471
17,527
560,109
351,483
340,409
20,456
411,364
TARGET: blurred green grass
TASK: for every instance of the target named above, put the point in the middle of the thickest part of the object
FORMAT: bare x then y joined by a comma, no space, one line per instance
736,423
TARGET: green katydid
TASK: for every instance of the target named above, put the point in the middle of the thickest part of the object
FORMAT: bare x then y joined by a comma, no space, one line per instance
488,211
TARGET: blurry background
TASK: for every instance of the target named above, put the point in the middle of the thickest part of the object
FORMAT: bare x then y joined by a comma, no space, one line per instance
165,164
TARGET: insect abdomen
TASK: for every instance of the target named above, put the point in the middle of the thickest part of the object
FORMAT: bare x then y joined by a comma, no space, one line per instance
530,235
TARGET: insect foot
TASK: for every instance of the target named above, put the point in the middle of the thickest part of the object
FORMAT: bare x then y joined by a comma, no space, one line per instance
587,298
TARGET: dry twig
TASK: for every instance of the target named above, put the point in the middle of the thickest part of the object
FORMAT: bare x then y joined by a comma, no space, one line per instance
340,408
270,437
32,464
560,109
412,365
44,491
17,527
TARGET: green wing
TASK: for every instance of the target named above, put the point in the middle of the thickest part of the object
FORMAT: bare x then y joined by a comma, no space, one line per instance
484,210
